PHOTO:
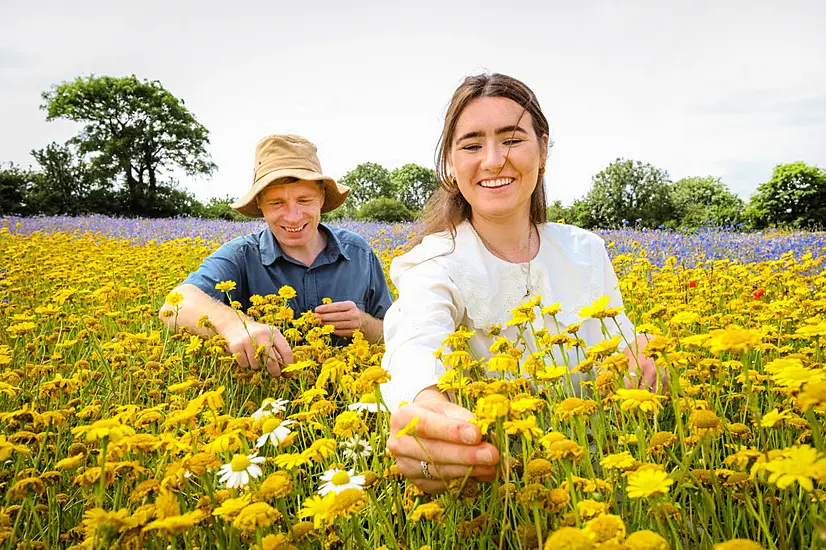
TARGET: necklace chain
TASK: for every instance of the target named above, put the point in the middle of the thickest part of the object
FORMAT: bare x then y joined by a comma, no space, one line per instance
497,252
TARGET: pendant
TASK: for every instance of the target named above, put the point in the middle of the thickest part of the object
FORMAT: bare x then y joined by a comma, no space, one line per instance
527,271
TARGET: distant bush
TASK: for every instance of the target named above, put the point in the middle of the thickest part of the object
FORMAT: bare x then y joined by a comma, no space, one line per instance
220,209
385,209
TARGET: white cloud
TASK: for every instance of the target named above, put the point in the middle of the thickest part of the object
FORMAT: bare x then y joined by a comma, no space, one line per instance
696,88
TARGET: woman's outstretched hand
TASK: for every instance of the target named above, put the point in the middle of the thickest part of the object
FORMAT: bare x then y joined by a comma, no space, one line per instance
643,367
449,444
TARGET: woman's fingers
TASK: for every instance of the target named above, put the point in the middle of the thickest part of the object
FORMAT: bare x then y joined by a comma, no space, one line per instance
441,452
440,421
412,469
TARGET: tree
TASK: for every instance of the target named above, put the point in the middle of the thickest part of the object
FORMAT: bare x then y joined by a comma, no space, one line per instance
413,185
631,192
367,181
220,209
66,183
14,186
699,200
133,128
385,209
795,196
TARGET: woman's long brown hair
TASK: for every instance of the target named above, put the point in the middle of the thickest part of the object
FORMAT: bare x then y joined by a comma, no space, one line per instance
447,208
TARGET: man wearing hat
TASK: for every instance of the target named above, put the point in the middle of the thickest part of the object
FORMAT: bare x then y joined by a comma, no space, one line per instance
290,192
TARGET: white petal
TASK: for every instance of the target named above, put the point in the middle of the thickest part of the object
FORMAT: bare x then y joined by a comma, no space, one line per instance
233,480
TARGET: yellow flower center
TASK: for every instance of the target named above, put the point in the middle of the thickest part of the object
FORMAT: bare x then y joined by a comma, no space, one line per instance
239,463
270,424
368,398
341,478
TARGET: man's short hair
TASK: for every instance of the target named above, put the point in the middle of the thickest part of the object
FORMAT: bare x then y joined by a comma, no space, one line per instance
288,180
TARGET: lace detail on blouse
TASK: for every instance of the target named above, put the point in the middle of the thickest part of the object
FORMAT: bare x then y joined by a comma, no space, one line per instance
490,302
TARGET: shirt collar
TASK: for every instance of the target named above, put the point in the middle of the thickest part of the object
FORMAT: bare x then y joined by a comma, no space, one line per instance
270,249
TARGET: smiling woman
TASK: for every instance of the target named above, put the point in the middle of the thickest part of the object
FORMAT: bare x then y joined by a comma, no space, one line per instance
486,248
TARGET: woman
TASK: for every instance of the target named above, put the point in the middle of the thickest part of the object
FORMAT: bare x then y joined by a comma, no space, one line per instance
487,247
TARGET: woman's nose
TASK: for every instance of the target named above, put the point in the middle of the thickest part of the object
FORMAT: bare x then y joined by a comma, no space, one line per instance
494,159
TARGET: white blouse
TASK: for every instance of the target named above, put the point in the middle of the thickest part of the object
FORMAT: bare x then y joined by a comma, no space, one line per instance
443,284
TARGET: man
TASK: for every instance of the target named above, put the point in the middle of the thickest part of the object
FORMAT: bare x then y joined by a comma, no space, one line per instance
290,193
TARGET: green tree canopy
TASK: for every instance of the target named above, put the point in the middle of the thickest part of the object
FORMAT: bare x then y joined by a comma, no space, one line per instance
132,128
367,181
385,209
697,200
795,196
628,190
66,182
14,185
413,185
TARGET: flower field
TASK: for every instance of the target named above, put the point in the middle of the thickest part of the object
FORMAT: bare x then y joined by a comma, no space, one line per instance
115,433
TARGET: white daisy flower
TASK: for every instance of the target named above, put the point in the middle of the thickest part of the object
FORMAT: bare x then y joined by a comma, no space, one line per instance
339,480
269,407
275,430
356,447
367,403
239,470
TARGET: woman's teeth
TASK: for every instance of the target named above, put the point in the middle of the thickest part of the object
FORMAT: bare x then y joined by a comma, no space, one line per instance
501,182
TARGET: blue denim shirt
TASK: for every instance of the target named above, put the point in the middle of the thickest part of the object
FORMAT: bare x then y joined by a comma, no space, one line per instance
347,269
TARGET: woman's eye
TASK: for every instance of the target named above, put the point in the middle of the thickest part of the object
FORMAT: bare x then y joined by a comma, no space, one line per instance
513,141
472,147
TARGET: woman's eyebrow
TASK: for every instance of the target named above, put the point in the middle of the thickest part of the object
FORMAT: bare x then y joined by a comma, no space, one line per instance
503,130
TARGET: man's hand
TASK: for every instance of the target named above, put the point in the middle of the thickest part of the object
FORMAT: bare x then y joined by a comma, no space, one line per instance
450,445
245,343
345,317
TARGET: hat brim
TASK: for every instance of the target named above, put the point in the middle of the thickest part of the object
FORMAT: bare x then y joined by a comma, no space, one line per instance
334,193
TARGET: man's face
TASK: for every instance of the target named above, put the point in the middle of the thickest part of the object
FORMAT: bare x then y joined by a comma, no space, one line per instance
293,212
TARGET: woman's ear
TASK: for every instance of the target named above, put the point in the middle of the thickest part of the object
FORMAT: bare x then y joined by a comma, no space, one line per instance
544,150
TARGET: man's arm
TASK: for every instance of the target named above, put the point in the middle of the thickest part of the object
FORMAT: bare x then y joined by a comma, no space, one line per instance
243,335
197,303
372,328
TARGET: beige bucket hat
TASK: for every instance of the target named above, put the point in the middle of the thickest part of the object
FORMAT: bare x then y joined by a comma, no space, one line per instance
288,156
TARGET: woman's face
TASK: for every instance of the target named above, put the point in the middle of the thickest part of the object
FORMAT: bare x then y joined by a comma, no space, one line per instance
495,157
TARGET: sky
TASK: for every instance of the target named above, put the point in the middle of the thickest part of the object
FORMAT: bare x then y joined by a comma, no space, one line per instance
724,88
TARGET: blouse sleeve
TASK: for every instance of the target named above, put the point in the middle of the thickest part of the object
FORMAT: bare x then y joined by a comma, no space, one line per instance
626,327
428,310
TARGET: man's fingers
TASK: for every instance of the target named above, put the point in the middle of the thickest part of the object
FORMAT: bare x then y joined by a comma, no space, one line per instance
334,307
252,360
282,347
274,367
330,318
